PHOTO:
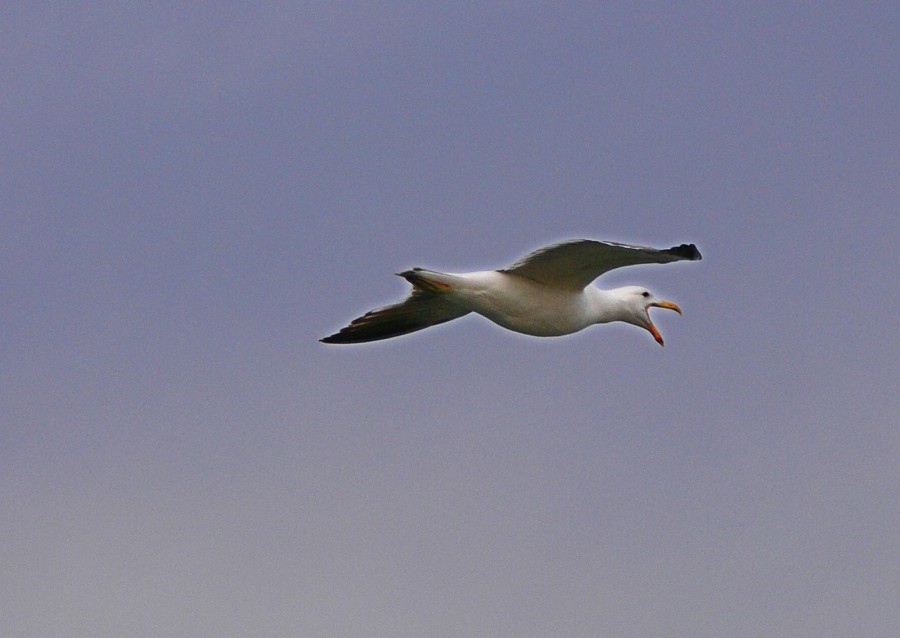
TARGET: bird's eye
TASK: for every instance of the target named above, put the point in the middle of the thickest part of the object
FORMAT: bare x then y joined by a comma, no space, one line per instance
645,294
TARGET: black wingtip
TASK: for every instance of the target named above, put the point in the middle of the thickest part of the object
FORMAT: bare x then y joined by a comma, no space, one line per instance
341,339
685,251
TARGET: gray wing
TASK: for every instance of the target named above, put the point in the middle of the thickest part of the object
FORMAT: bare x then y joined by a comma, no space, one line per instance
575,263
419,310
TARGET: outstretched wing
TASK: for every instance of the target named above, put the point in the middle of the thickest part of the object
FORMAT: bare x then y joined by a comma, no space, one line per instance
419,310
575,263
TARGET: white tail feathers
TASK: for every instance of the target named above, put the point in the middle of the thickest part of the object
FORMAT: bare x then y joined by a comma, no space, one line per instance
429,280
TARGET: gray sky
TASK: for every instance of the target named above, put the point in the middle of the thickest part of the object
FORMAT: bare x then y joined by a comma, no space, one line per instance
191,197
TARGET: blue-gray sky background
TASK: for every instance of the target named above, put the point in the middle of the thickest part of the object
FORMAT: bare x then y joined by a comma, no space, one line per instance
191,196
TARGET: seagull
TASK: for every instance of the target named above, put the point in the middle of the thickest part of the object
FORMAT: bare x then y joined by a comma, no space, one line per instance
547,293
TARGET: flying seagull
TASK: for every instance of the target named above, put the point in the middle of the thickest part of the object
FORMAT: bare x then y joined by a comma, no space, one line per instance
547,293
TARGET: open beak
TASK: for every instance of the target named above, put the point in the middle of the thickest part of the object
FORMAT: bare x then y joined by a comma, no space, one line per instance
650,327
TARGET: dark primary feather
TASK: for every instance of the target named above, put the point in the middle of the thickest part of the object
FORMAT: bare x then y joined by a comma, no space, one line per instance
419,310
576,263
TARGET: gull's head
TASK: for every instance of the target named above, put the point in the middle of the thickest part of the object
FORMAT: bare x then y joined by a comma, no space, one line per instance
635,304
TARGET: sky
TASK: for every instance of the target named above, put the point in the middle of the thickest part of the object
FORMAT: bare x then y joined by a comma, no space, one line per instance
191,195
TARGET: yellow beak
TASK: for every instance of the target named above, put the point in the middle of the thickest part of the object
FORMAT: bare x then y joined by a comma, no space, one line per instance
669,305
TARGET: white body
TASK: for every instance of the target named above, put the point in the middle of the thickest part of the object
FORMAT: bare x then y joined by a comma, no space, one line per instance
525,306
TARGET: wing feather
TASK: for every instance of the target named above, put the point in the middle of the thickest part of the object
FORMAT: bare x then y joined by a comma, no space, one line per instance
419,310
576,263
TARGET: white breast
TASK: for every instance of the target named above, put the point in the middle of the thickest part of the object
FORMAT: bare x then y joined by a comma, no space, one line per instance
522,305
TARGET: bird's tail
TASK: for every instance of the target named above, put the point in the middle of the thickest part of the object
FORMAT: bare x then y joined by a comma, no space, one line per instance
437,283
